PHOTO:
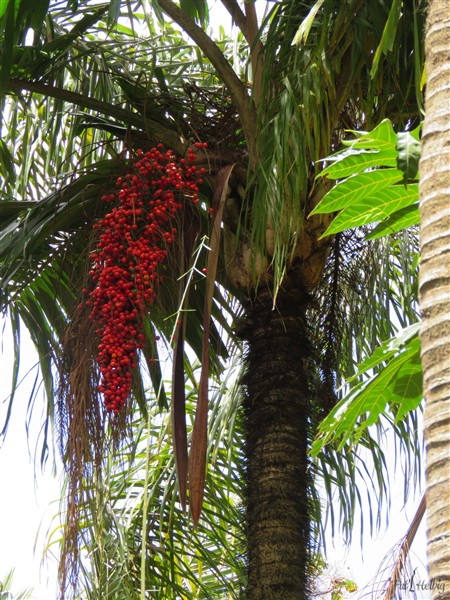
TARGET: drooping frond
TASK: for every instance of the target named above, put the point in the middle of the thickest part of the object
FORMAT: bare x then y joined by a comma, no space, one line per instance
121,555
395,576
369,287
316,85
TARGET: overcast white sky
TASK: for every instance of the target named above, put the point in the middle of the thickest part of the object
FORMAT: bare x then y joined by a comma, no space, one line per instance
29,497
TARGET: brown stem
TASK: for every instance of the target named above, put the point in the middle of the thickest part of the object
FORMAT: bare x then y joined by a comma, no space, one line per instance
238,16
153,129
276,405
404,549
256,49
237,89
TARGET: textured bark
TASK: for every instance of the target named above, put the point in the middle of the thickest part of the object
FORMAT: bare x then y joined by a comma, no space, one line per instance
276,409
435,292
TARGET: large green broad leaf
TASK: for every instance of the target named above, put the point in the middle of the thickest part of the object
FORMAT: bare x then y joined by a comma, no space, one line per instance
370,189
376,207
408,148
397,384
356,188
351,161
406,217
383,137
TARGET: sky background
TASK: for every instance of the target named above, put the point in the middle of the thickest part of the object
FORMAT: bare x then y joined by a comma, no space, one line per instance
28,496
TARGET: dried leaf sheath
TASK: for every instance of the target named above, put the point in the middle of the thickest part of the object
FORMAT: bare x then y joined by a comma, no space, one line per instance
197,457
179,413
81,419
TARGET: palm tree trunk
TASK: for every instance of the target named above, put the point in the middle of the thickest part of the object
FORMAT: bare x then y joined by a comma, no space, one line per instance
435,293
276,409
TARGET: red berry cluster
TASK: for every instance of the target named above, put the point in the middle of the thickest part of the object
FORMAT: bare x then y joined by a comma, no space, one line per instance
133,242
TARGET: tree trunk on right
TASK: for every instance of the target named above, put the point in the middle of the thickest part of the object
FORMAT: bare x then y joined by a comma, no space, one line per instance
435,292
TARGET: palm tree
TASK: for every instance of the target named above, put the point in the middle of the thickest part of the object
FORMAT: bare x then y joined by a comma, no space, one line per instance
318,68
434,291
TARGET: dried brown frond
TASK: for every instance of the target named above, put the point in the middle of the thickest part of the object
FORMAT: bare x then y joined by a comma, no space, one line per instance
400,564
81,425
395,577
205,115
81,421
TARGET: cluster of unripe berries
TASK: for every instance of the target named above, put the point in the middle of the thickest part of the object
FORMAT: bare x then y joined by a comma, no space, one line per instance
134,237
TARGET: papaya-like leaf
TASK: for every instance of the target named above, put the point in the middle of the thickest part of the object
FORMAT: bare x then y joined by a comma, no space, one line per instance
387,350
380,138
406,217
408,149
374,208
356,160
356,188
368,190
407,388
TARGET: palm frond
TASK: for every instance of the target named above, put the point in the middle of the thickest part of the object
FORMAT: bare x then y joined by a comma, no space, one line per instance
323,85
137,497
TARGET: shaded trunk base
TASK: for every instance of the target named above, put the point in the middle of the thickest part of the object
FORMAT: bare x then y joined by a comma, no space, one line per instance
277,412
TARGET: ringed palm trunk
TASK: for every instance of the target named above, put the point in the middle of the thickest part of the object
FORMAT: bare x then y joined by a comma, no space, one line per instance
435,293
276,408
